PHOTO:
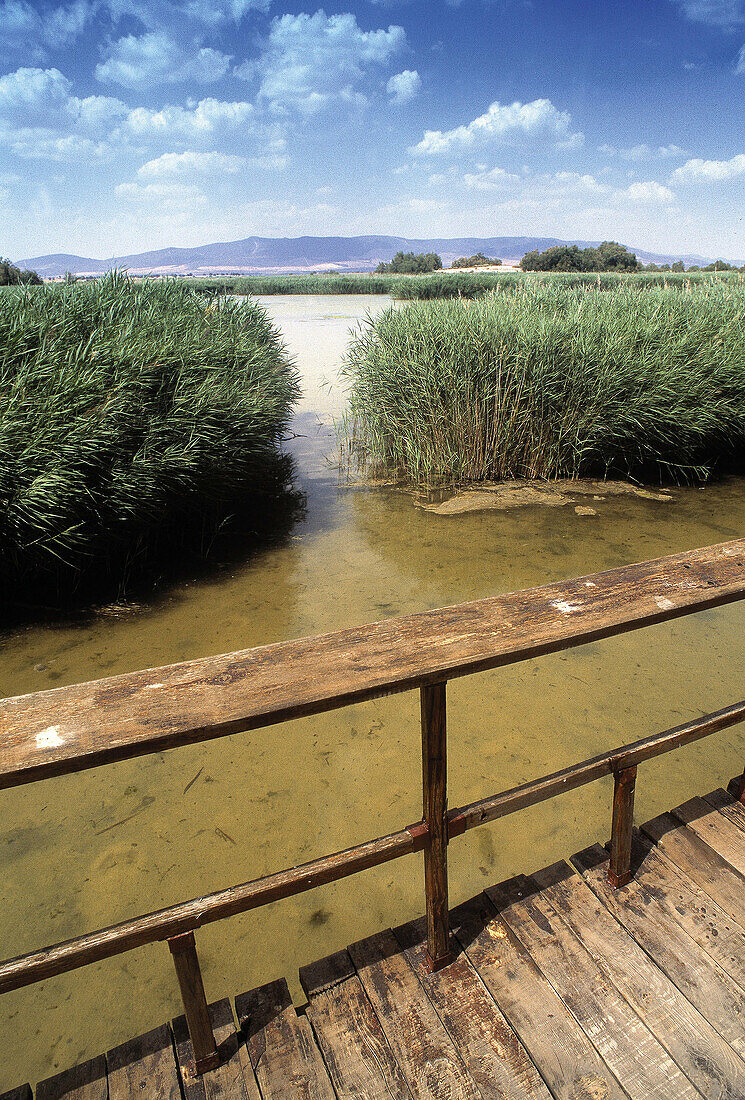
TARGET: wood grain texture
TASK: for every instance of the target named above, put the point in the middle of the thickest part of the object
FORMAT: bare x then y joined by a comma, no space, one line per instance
22,1092
622,826
196,1010
706,1059
620,1036
72,728
84,1082
434,814
716,830
658,931
357,1055
699,862
283,1052
429,1060
565,1058
233,1079
143,1067
493,1054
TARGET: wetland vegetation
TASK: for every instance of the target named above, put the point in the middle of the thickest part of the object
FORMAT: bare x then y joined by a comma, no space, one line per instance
137,420
552,381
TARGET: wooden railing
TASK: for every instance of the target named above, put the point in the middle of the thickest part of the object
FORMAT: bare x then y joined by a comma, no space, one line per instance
74,728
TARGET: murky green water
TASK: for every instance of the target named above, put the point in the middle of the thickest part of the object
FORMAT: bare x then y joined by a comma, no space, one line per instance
88,850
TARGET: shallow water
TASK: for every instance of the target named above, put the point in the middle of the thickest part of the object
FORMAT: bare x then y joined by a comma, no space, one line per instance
83,851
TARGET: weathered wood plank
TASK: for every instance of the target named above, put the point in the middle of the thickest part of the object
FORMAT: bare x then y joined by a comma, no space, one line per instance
714,829
71,728
283,1053
85,1082
357,1055
427,1056
708,925
706,985
494,1056
233,1079
565,1058
706,1059
434,813
727,805
620,1036
23,1092
144,1067
699,862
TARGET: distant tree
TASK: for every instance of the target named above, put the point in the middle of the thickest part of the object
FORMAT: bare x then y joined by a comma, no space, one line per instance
694,267
410,263
479,260
719,265
678,266
609,256
10,275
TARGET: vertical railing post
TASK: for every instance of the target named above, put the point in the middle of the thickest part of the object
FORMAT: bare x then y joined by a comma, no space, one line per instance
434,779
619,872
184,951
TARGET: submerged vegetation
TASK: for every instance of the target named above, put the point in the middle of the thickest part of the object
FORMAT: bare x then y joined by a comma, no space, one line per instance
549,382
137,420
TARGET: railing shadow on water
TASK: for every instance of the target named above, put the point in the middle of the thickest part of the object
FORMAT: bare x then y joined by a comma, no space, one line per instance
71,729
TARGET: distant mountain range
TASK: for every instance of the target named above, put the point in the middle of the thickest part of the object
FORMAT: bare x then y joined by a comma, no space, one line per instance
281,255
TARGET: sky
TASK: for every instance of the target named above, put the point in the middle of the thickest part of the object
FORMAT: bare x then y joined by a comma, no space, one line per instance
129,125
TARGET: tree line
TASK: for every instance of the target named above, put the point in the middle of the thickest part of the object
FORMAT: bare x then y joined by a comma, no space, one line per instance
10,275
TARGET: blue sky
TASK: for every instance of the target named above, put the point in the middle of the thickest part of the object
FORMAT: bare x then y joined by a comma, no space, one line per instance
127,125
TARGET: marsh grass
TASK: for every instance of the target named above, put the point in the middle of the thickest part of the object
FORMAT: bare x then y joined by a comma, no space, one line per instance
550,382
137,420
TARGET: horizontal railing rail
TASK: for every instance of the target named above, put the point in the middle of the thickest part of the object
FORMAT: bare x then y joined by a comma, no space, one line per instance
71,729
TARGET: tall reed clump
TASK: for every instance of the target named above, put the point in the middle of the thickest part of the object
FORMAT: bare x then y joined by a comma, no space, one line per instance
136,420
549,382
295,284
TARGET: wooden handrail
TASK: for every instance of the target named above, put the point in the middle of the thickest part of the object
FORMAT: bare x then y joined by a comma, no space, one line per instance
70,729
86,725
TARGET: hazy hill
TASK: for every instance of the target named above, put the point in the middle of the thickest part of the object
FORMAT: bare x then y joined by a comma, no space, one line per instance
284,254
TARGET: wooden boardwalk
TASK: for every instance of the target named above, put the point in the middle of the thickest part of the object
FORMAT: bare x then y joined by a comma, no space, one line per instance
561,987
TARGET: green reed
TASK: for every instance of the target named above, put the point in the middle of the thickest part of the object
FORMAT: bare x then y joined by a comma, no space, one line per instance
549,381
136,418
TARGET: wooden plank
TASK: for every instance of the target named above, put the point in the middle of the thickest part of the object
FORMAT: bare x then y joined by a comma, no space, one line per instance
283,1053
699,862
427,1056
144,1068
706,985
189,973
357,1055
714,829
620,1036
22,1092
706,1059
727,805
493,1054
72,728
565,1058
175,919
233,1079
85,1082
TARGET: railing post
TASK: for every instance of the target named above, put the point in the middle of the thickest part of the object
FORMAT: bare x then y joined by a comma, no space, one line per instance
434,780
184,951
619,872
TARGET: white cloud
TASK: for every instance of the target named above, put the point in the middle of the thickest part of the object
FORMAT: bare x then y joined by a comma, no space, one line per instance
537,121
709,171
403,87
24,26
643,152
493,179
719,13
157,58
191,164
310,61
647,192
206,117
